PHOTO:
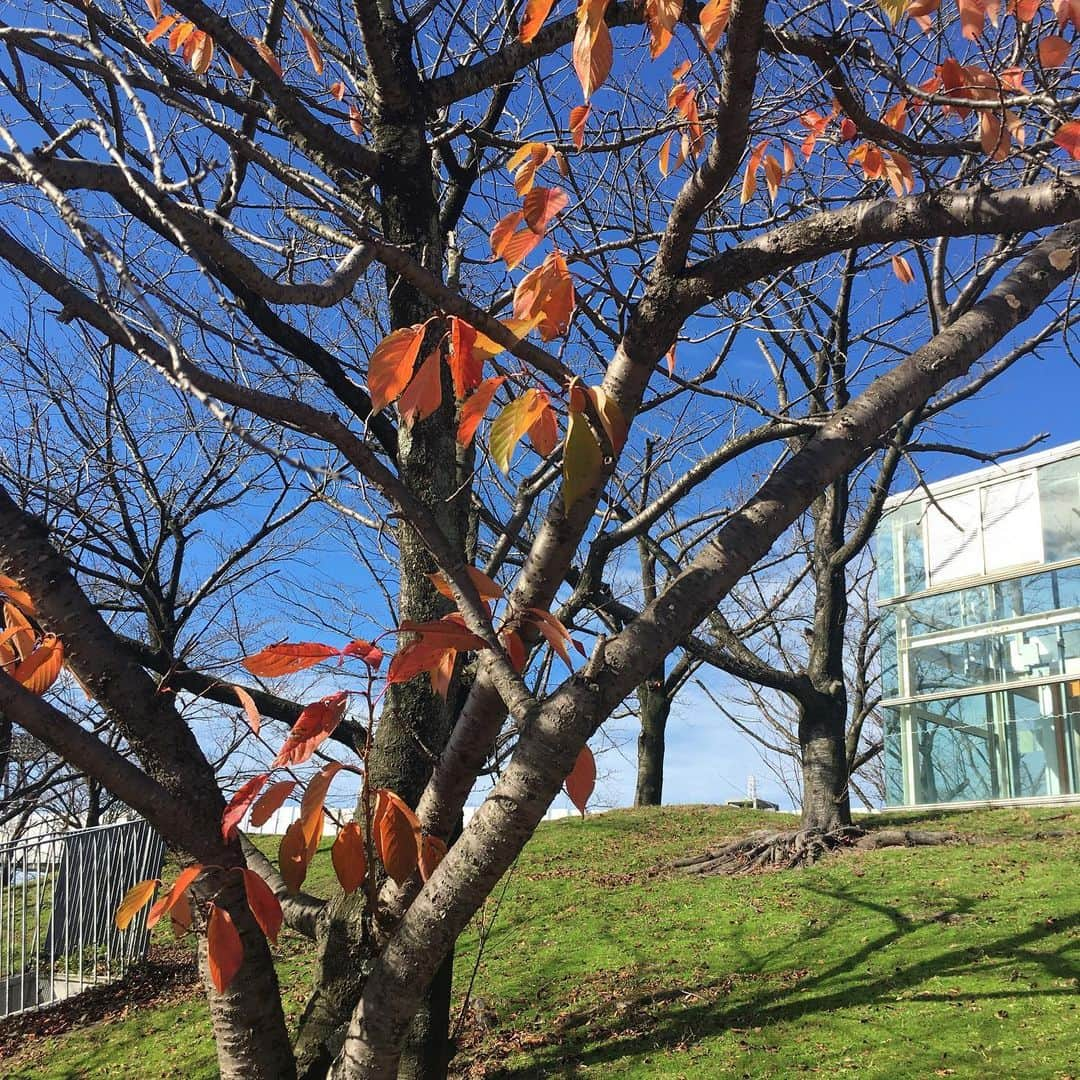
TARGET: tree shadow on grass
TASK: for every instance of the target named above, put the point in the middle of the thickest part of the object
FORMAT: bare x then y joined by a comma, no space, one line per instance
666,1018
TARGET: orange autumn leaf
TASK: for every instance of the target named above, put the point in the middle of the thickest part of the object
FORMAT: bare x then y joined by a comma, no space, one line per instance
544,433
42,667
661,17
547,291
592,52
314,725
202,53
902,269
270,801
466,368
1053,51
525,161
180,33
391,364
396,831
313,50
239,805
17,595
582,780
542,205
154,7
349,857
472,412
251,710
165,905
264,905
753,163
485,587
423,395
286,659
432,852
713,20
292,857
311,806
224,951
160,28
436,646
578,116
1068,138
536,13
267,56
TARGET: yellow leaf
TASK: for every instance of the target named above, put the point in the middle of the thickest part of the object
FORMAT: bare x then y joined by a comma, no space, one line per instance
582,459
136,898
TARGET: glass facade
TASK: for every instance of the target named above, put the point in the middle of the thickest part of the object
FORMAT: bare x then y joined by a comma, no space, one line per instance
979,594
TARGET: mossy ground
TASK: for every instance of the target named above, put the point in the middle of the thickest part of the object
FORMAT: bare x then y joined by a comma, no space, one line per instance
903,963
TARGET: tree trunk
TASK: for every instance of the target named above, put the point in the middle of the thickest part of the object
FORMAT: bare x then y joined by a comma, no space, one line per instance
826,801
249,1028
655,708
415,722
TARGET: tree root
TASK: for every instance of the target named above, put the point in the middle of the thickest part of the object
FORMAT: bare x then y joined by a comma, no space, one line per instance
765,850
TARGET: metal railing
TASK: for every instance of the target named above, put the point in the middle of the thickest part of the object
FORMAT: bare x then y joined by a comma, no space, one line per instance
58,898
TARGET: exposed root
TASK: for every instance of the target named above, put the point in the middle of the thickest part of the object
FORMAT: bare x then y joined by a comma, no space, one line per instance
765,850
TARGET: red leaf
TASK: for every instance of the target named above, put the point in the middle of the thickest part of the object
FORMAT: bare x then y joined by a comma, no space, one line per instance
251,710
271,801
224,951
240,804
391,365
372,655
349,857
472,412
284,659
264,905
542,205
435,641
293,857
337,91
167,902
312,727
397,835
423,395
582,779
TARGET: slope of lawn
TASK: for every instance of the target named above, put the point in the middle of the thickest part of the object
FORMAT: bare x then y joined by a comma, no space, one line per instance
902,963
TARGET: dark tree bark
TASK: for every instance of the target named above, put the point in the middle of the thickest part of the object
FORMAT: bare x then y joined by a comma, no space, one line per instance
654,703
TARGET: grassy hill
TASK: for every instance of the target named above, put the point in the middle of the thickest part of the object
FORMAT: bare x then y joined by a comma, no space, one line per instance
902,963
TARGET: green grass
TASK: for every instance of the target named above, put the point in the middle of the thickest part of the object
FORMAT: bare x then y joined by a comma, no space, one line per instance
903,963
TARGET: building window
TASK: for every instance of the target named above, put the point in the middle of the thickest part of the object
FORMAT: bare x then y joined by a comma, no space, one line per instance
953,537
1059,498
1010,523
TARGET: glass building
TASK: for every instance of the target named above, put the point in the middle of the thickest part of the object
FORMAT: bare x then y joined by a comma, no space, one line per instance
979,605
